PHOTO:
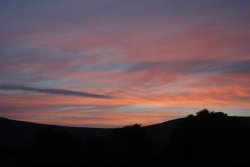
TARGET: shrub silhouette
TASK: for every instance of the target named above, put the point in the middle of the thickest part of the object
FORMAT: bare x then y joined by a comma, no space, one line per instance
210,135
53,144
130,142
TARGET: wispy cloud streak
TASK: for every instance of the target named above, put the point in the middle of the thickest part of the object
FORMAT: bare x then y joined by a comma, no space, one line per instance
52,91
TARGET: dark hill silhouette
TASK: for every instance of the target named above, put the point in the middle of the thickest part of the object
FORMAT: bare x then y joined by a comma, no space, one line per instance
191,138
21,133
160,133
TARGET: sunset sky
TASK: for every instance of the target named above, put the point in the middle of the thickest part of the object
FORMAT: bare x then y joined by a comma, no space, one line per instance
109,63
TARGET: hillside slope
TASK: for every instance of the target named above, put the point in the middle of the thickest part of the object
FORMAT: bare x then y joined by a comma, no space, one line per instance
20,133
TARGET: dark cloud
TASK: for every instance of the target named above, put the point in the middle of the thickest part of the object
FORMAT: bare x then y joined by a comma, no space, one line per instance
52,91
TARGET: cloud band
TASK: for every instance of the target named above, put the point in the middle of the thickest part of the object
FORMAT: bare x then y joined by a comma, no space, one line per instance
52,91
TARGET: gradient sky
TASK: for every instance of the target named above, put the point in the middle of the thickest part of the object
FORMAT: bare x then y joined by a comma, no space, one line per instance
108,63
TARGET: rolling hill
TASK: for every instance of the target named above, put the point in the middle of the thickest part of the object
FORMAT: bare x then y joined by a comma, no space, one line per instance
21,134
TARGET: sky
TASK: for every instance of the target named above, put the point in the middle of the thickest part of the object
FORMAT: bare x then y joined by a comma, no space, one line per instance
110,63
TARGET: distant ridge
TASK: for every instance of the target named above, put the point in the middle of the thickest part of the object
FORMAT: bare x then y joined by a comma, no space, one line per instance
22,133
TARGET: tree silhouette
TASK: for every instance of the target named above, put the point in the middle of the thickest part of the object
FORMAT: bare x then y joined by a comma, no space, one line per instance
130,142
210,134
